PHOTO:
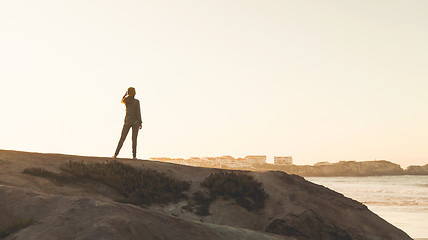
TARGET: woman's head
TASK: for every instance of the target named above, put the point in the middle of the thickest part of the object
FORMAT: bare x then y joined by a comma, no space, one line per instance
131,91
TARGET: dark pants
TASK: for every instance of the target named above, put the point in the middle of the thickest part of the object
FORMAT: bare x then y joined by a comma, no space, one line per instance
125,131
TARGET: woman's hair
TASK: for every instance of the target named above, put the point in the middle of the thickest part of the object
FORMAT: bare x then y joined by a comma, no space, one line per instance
131,91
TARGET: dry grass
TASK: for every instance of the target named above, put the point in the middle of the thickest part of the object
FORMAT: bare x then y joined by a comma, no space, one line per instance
14,227
57,177
138,186
244,189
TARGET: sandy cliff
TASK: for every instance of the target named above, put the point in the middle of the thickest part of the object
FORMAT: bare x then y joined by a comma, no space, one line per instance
417,170
343,168
295,208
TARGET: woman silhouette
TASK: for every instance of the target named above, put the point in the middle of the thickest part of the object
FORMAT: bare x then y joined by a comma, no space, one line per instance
132,120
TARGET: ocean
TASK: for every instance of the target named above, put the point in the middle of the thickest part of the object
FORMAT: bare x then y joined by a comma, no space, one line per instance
400,200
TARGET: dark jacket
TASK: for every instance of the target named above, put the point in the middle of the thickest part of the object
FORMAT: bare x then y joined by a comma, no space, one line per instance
133,112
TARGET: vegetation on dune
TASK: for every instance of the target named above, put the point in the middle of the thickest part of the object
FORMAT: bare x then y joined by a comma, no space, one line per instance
201,203
57,177
15,226
247,192
145,186
138,186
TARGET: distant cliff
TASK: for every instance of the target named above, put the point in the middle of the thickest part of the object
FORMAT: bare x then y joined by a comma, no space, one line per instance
321,169
417,170
348,169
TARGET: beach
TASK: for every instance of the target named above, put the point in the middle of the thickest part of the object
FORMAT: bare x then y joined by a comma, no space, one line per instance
400,200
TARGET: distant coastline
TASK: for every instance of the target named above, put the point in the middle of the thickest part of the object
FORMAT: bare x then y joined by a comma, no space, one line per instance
349,169
321,169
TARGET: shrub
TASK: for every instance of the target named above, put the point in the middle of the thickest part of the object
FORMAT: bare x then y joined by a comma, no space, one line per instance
247,192
138,186
14,227
202,203
40,172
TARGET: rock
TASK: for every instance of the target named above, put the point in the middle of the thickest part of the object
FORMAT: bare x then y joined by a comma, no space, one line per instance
65,217
343,168
417,170
295,208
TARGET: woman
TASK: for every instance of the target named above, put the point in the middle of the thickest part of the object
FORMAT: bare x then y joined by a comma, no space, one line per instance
132,120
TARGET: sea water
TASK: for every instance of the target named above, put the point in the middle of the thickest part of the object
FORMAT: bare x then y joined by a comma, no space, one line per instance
400,200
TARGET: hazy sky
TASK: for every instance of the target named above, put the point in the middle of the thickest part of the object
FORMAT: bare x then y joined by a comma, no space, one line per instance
317,80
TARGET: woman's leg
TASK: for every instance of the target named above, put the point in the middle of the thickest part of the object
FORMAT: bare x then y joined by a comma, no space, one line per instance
125,131
135,129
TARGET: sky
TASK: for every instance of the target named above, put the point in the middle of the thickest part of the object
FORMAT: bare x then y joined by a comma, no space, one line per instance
315,80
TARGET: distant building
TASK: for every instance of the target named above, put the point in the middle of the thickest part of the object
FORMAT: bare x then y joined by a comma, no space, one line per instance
283,160
256,159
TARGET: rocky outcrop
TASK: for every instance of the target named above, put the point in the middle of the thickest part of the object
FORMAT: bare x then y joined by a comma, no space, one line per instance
62,217
294,209
343,168
311,229
352,168
417,170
